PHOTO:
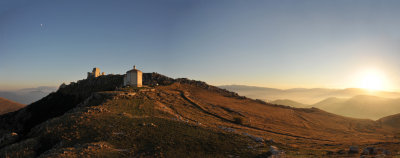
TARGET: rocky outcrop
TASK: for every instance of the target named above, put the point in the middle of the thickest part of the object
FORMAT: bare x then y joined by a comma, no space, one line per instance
57,103
273,152
85,88
256,139
154,79
8,139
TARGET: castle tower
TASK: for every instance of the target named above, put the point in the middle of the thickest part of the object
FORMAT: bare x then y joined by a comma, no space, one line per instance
95,73
133,78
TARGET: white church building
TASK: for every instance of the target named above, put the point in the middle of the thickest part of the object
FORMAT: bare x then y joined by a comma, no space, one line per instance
133,78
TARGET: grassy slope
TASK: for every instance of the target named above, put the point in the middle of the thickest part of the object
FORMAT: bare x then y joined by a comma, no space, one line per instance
292,127
187,120
127,127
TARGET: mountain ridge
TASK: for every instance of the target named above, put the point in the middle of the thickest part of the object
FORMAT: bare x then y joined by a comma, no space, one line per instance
303,95
152,121
351,102
371,107
361,106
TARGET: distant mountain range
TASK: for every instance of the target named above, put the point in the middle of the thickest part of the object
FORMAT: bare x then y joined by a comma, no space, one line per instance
352,102
362,106
28,95
302,95
7,106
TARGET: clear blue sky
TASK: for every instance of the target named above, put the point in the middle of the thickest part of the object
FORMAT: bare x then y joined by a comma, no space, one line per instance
280,43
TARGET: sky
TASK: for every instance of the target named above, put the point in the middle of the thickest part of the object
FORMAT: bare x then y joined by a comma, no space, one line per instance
279,44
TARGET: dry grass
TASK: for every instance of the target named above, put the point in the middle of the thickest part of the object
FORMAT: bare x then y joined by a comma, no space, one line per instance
298,130
126,127
184,120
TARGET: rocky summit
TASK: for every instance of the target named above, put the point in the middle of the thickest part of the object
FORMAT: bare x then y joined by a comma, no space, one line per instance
98,117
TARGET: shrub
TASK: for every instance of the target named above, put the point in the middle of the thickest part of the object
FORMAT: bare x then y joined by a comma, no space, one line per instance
238,120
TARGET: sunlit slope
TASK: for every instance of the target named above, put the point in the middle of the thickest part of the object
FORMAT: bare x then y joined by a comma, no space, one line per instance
84,119
391,121
7,106
123,126
282,120
178,118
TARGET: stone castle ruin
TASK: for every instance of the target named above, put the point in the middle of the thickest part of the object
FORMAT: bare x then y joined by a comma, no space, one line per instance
95,73
132,77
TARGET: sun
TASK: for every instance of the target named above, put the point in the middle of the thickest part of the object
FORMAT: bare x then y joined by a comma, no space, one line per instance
372,80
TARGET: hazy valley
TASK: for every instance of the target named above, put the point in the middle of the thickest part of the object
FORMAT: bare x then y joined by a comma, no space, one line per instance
27,95
357,103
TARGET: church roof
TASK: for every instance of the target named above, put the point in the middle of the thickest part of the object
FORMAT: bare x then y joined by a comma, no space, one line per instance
134,70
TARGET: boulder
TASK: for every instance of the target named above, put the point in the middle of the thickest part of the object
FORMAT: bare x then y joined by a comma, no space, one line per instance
353,150
274,150
369,151
256,139
386,152
365,152
372,150
341,152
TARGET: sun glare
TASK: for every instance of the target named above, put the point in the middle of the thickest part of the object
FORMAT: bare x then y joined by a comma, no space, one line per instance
372,80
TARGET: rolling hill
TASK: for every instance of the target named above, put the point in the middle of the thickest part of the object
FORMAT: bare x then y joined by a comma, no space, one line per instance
391,121
288,102
7,106
362,106
351,102
178,118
